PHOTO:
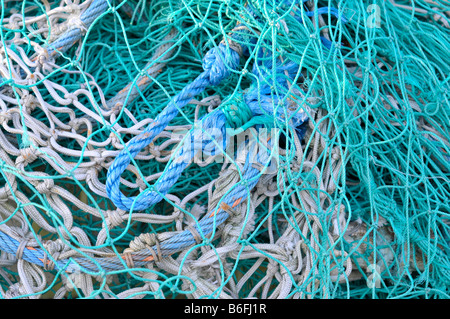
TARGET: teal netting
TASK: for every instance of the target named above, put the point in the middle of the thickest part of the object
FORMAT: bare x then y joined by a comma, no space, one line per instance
352,201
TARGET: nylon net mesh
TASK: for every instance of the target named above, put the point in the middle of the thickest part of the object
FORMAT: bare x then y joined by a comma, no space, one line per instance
224,149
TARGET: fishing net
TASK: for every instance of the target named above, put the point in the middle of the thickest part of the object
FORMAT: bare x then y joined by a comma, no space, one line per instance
224,149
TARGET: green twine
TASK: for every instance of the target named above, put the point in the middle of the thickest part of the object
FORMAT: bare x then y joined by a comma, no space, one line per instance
236,111
239,115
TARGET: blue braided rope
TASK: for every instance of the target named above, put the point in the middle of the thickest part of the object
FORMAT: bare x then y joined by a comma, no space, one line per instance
11,246
96,8
197,140
217,65
67,39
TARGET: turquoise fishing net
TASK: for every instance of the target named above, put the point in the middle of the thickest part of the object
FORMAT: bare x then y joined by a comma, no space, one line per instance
357,207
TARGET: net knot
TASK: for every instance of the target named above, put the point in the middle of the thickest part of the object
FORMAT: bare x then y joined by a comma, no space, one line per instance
5,117
16,290
143,241
219,62
46,186
27,156
146,241
70,97
100,159
42,55
74,21
236,111
114,217
54,248
335,153
29,102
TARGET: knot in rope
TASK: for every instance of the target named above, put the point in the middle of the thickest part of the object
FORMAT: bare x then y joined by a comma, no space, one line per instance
290,267
70,97
7,191
116,107
31,79
76,123
20,249
154,150
226,179
74,21
92,175
335,153
73,9
114,217
57,30
219,62
26,239
16,290
27,156
43,55
272,268
144,241
29,102
104,278
236,111
115,142
5,117
147,241
46,186
14,21
100,159
54,249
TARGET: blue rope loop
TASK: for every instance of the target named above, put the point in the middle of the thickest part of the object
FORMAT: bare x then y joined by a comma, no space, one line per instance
257,106
218,63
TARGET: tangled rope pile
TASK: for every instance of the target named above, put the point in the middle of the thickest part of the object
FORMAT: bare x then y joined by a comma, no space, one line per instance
224,149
